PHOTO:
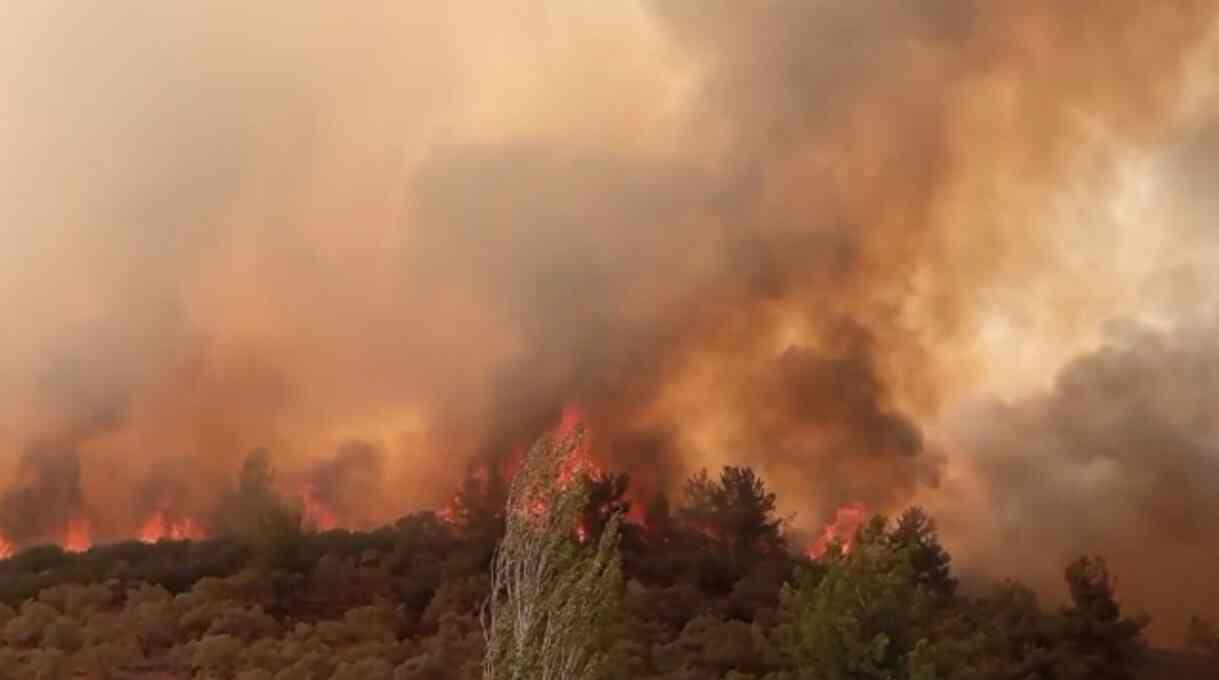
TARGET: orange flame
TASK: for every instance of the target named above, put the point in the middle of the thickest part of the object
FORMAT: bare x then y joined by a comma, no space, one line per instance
580,462
160,526
316,514
847,520
507,467
78,535
7,549
572,416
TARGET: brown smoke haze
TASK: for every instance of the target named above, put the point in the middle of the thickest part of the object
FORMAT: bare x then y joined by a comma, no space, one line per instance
870,248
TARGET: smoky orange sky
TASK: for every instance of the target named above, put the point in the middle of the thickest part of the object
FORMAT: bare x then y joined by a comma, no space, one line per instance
948,252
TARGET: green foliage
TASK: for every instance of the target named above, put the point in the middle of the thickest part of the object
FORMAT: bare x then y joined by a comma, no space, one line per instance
914,531
866,616
551,594
887,609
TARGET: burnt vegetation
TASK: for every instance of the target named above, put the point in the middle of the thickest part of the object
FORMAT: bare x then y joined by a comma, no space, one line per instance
711,589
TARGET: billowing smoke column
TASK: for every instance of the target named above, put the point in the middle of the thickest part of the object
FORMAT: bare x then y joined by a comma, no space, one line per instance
390,243
1120,457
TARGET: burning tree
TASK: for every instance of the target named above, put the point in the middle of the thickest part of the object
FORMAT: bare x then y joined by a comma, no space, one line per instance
550,592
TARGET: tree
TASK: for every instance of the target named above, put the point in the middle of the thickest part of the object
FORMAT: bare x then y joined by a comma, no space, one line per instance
551,595
915,530
606,499
270,525
478,507
866,616
1110,644
658,519
736,511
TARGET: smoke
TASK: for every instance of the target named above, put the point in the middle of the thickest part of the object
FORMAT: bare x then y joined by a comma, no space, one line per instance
348,484
1116,455
46,494
1119,458
786,236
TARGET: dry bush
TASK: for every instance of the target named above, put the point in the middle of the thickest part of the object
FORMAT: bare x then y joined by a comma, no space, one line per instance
243,622
215,653
63,634
369,668
27,628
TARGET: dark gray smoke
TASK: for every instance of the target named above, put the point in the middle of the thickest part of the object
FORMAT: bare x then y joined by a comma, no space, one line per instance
1120,458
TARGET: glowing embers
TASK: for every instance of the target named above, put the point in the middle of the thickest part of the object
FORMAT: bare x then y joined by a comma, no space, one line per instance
847,520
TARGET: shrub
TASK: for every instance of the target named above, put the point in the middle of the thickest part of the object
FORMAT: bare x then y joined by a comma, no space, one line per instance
27,628
216,653
365,669
63,634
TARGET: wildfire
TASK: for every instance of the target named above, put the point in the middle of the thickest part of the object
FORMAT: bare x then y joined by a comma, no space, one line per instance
315,512
7,549
78,535
580,462
571,418
847,520
160,526
506,468
536,509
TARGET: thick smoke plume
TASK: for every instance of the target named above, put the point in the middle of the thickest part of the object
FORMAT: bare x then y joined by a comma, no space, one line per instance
1120,457
392,242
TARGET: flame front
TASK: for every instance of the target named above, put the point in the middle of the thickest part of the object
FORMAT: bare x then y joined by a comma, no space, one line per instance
78,535
160,526
847,520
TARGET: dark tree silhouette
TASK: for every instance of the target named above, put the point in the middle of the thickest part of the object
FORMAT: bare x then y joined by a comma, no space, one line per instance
735,511
1111,645
915,530
606,499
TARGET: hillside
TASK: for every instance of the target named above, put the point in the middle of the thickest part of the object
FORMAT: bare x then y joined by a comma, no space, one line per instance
713,591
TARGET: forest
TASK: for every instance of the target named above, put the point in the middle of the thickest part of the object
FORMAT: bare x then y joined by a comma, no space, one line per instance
710,588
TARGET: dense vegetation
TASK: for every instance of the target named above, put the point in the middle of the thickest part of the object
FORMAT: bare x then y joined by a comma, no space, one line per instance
711,590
